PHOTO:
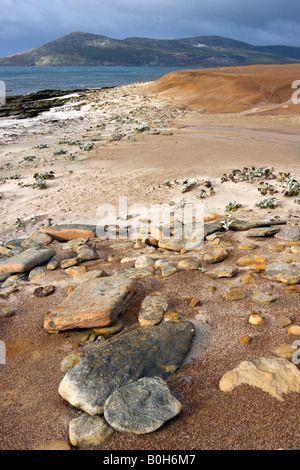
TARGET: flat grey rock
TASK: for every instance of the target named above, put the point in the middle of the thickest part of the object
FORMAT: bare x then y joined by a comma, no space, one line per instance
27,260
141,407
154,351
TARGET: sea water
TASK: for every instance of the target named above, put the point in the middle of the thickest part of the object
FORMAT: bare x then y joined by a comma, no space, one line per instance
22,80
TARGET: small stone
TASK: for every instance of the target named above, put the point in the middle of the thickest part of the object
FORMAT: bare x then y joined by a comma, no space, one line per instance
222,271
245,339
251,260
52,265
75,271
70,289
295,250
212,289
195,302
5,311
286,351
54,444
109,330
85,253
282,321
74,244
215,255
44,291
171,316
67,263
4,276
263,297
37,273
277,247
152,310
294,330
144,261
235,293
71,361
248,278
256,320
188,263
249,246
89,431
295,289
288,234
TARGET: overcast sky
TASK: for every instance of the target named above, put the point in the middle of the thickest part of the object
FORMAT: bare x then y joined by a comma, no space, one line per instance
31,23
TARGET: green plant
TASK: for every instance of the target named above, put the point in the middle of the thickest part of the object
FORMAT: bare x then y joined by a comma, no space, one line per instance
87,146
15,177
42,146
267,202
60,152
232,206
188,185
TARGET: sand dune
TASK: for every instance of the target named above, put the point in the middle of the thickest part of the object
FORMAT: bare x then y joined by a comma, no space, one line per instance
257,88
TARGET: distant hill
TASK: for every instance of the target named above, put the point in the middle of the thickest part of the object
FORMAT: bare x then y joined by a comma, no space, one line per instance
80,48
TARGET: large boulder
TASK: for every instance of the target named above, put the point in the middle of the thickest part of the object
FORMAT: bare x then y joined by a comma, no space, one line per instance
27,260
154,351
94,303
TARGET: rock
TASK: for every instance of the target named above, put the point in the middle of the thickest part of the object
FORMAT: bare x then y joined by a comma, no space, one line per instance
69,262
88,276
43,291
141,407
37,273
14,280
261,297
282,321
171,316
70,361
6,311
144,261
247,247
27,260
256,320
286,351
262,232
54,444
85,253
245,339
172,244
276,376
295,250
277,247
282,272
89,431
75,271
294,330
195,302
222,271
248,278
167,268
4,276
94,303
74,244
69,232
152,310
36,239
52,265
215,255
288,234
126,358
235,293
188,263
109,330
241,225
251,260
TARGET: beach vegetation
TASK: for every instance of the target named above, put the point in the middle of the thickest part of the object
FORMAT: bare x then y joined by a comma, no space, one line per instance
232,206
267,202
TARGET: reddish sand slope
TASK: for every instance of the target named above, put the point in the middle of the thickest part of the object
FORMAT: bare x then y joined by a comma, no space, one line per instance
258,88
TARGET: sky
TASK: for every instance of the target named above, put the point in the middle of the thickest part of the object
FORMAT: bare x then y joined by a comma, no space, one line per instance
31,23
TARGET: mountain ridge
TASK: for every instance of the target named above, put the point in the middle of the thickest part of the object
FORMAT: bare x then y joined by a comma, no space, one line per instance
81,48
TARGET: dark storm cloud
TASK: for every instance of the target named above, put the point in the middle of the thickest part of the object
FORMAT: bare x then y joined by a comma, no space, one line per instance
24,25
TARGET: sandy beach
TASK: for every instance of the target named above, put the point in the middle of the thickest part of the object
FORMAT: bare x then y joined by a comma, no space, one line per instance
128,141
